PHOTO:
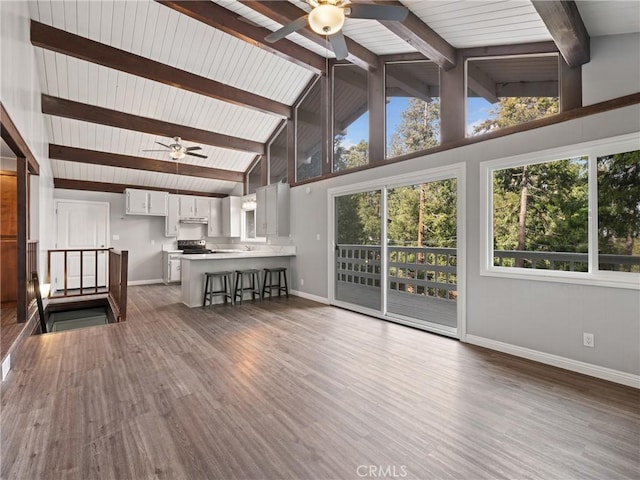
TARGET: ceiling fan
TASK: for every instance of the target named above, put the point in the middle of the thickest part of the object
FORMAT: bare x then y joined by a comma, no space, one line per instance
177,150
327,18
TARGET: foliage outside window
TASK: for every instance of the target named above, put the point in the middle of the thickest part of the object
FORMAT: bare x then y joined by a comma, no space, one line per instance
350,117
254,178
619,211
412,107
507,91
278,158
542,208
309,135
540,214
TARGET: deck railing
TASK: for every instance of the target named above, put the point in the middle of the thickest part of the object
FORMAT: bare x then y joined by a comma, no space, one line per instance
32,266
432,271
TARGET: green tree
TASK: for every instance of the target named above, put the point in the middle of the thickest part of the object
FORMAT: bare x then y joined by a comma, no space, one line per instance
619,203
419,129
516,110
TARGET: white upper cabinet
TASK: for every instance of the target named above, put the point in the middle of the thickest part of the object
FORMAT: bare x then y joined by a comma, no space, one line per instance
202,207
231,207
272,210
214,227
186,206
146,202
171,220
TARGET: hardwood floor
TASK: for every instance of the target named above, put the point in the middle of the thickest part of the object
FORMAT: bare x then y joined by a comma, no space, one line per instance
293,389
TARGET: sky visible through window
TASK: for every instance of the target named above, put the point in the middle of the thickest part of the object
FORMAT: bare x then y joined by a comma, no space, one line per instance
477,111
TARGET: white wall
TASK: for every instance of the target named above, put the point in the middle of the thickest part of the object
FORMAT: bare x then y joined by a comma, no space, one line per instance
614,69
142,235
544,317
20,94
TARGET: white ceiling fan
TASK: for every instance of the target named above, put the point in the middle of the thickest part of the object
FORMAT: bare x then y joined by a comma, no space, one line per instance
327,18
177,150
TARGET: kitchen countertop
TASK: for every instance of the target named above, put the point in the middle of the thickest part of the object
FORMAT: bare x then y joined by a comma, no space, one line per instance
236,254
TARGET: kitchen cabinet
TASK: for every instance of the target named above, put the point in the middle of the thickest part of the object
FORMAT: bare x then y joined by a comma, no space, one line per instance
214,226
146,202
231,207
190,206
171,220
272,210
172,266
186,206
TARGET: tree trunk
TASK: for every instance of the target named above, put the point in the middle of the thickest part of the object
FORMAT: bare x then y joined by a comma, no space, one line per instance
522,217
420,258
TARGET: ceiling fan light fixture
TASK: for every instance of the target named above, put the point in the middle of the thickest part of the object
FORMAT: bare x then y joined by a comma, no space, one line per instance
326,19
176,154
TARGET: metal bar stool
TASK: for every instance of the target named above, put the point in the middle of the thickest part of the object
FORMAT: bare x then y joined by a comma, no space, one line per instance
254,287
270,286
226,280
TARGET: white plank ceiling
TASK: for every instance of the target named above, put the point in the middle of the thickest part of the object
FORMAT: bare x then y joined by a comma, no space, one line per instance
152,30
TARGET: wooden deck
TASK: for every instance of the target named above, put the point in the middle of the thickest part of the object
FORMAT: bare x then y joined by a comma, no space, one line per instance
289,388
420,307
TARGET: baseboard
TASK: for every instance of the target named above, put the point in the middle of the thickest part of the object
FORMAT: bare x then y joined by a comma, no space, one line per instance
310,296
604,373
145,282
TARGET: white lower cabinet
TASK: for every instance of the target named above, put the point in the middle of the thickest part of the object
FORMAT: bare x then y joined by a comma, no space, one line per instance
171,267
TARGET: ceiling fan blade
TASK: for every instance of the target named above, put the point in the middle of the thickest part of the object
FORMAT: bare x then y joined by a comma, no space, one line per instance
196,155
287,29
167,146
339,45
190,149
378,12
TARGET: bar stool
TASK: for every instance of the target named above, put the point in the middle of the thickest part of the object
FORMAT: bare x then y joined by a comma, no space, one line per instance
270,286
254,276
226,280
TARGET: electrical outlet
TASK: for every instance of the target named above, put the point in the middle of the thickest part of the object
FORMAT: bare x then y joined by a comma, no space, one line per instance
588,340
302,282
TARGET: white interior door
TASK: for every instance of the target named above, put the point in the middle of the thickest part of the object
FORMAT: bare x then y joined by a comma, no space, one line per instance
80,225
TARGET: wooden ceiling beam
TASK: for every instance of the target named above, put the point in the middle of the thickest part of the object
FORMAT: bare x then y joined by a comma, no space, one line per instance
479,82
83,48
93,157
284,12
222,19
121,187
567,29
422,37
103,116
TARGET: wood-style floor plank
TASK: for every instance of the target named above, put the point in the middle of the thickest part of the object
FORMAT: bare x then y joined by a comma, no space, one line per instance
289,388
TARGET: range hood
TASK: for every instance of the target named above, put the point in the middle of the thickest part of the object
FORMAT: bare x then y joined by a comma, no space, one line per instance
201,220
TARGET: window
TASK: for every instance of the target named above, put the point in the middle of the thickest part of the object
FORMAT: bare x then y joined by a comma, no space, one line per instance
278,158
309,135
254,177
412,107
350,117
507,91
537,211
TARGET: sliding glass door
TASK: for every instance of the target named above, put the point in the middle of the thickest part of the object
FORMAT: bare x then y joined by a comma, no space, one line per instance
412,277
357,249
422,252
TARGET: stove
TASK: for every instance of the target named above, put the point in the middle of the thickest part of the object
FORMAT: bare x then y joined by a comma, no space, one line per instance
193,247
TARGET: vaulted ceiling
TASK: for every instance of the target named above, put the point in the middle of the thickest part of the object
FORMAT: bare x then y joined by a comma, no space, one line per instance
118,76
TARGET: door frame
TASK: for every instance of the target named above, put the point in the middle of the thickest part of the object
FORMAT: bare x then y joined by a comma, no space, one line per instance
457,171
57,201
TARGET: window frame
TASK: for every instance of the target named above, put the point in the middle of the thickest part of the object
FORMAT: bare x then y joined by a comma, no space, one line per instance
243,219
594,276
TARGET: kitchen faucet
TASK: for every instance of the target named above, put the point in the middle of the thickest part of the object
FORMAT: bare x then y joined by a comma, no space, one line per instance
247,248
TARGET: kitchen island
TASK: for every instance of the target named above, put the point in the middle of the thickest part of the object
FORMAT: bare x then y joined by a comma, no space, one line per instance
195,266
